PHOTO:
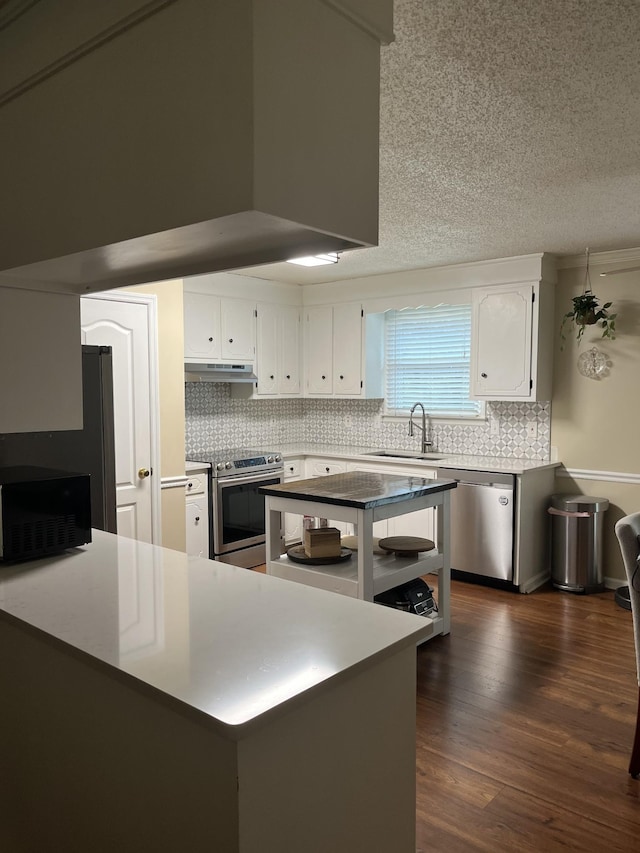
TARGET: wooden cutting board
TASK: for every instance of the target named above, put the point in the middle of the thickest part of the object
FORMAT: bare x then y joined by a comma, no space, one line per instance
406,546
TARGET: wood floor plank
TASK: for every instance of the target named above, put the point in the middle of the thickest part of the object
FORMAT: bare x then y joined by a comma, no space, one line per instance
525,717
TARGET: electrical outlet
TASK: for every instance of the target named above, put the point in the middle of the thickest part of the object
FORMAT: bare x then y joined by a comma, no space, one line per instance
494,427
532,429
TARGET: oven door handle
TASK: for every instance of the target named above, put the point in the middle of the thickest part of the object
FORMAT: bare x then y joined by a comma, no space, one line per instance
239,479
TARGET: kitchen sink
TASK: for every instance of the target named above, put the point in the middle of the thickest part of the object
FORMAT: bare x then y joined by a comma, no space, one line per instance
405,454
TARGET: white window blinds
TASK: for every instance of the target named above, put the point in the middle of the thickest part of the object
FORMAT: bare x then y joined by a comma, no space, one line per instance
427,355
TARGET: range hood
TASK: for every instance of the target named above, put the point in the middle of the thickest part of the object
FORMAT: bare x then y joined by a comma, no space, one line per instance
206,372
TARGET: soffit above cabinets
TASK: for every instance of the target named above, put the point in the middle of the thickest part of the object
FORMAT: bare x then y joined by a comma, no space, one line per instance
170,138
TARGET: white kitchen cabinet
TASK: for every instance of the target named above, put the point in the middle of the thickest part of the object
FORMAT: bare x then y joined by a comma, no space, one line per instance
238,330
418,523
319,350
323,468
511,342
197,514
278,350
293,470
216,328
336,352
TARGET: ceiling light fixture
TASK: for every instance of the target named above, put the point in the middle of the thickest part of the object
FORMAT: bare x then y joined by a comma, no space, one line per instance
315,260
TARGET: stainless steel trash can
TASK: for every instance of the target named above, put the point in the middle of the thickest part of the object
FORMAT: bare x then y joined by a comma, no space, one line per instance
576,542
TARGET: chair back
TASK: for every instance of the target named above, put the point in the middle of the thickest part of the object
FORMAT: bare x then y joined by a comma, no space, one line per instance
628,533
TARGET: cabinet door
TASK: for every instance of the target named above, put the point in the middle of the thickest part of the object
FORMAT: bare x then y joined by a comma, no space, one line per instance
197,526
323,468
347,350
201,326
501,343
267,349
238,324
319,349
293,470
289,349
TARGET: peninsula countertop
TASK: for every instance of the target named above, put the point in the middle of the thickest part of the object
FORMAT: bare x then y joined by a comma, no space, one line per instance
230,645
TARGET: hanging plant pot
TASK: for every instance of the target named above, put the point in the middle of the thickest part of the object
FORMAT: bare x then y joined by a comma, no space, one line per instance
586,318
586,311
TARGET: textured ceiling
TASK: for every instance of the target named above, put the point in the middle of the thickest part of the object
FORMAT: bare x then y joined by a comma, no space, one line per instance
507,127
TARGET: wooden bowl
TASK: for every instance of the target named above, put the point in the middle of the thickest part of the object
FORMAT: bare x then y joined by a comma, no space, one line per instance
406,546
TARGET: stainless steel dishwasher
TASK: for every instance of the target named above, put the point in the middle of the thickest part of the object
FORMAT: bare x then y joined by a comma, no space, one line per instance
482,517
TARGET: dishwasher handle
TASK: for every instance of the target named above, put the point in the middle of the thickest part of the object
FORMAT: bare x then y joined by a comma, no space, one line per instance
468,477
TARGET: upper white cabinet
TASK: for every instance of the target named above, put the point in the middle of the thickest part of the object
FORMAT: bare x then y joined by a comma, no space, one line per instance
278,350
216,328
335,352
238,329
512,346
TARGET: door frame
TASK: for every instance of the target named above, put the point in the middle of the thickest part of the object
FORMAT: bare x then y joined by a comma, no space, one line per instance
150,301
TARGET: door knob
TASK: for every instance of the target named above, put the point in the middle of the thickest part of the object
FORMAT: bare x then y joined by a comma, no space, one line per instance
143,473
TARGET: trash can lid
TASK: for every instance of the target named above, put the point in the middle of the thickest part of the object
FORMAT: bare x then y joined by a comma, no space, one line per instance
579,503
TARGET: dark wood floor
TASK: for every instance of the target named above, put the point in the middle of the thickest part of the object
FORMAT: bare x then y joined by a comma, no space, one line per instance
525,721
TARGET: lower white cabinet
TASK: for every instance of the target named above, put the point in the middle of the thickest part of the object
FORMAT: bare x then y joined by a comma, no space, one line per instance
293,470
315,467
419,523
197,514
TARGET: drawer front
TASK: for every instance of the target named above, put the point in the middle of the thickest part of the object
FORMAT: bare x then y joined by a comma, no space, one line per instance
196,484
293,469
322,468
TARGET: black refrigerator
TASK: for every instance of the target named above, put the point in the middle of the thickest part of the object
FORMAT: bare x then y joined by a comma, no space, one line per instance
90,450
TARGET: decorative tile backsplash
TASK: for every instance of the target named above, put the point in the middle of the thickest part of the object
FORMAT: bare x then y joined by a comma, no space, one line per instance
216,421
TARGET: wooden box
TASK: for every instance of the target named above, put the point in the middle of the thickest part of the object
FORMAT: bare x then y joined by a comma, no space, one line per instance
322,542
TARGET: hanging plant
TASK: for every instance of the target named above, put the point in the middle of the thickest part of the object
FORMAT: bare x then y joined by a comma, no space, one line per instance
587,311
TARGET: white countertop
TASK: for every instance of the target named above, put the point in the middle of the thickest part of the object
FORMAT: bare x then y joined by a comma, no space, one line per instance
233,644
190,467
507,465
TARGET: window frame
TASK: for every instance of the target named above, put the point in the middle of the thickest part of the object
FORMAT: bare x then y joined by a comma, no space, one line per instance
391,414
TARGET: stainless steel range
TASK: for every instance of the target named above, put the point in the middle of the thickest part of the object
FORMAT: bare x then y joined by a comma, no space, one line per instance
237,530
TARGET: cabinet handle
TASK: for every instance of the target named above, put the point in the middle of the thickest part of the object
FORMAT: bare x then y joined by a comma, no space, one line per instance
189,485
288,376
484,375
210,339
197,518
271,377
230,340
341,376
324,377
327,468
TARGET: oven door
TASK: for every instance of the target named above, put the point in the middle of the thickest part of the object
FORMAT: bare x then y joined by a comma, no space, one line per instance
238,510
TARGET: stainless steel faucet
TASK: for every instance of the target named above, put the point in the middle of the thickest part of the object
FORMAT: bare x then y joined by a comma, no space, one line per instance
426,439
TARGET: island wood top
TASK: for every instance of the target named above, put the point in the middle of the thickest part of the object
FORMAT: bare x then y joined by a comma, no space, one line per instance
359,489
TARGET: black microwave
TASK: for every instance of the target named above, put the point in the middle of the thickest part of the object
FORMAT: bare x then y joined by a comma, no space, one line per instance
42,511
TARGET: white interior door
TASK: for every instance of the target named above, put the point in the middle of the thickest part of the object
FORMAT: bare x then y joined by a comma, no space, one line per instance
125,327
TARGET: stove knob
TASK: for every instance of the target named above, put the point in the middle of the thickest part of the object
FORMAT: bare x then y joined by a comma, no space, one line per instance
278,458
270,459
228,465
219,466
